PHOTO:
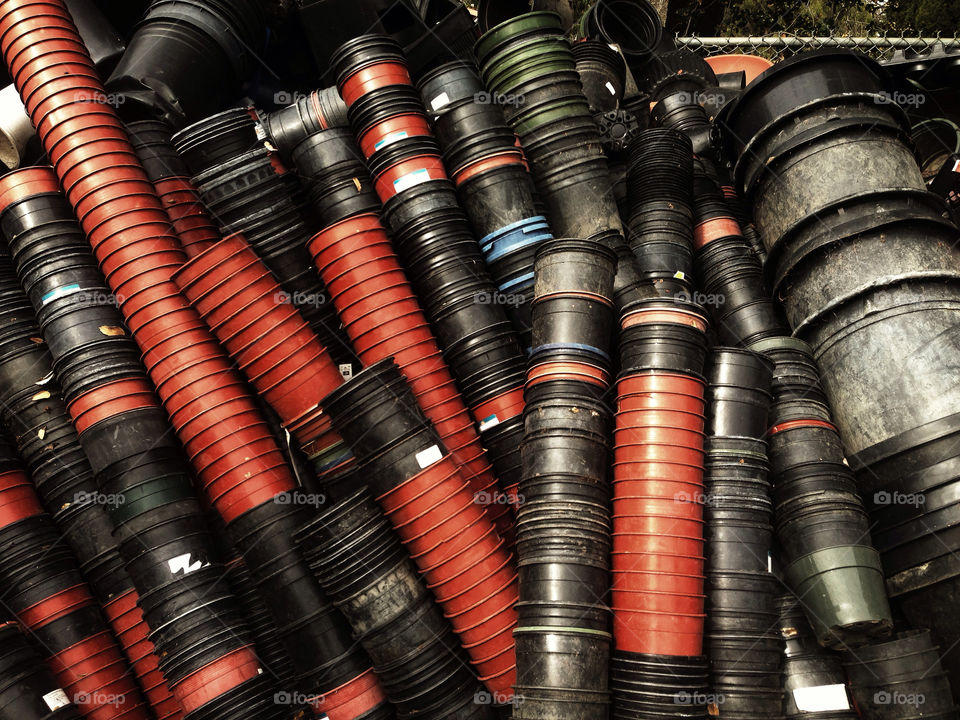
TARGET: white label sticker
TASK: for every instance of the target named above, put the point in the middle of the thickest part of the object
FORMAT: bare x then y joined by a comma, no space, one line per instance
346,371
56,699
391,138
439,101
182,563
821,698
426,458
59,293
489,422
410,179
611,88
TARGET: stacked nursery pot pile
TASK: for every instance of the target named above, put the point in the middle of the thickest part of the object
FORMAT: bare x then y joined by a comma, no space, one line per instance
431,506
563,525
153,142
658,527
494,186
528,60
28,689
728,270
206,50
743,647
241,185
334,176
633,26
868,272
900,678
44,589
130,234
660,228
822,529
676,84
289,126
813,678
383,319
432,236
272,343
368,574
602,73
33,225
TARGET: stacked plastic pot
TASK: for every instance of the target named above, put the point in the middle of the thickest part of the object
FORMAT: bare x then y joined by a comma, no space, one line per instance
822,529
528,61
319,110
431,506
153,142
633,26
45,590
272,343
868,271
563,524
383,319
371,578
660,229
728,270
814,683
602,73
239,183
900,678
742,643
658,523
431,235
28,689
206,50
676,83
494,186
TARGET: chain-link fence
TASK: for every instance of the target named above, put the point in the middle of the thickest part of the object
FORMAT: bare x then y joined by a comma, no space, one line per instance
777,47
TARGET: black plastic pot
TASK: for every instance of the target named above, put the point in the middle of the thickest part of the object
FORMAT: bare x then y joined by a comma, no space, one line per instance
310,114
602,72
739,397
449,83
216,139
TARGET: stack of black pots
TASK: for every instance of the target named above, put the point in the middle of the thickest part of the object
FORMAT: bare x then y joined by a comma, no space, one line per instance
822,528
867,268
902,678
629,283
602,73
813,679
369,576
28,690
660,228
677,83
728,269
334,176
743,647
563,526
206,49
240,184
288,127
433,239
494,186
634,26
527,63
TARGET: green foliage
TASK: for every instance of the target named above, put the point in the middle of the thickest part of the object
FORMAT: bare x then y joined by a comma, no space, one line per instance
924,16
814,17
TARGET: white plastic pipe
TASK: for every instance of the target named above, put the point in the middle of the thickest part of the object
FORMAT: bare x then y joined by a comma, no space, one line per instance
15,128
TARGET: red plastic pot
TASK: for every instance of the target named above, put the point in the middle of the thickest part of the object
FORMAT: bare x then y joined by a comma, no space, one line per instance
411,327
679,491
59,101
408,173
673,316
658,436
472,170
53,78
657,562
26,183
641,581
323,244
681,526
157,319
56,606
651,601
496,611
371,77
352,699
197,411
217,678
658,633
660,418
660,383
500,408
658,507
439,558
462,591
580,372
234,494
110,400
413,352
380,271
18,499
28,56
670,472
76,131
648,542
105,230
111,197
660,401
391,130
649,452
382,296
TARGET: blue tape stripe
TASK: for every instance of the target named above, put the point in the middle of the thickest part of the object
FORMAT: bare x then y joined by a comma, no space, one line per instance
510,284
569,346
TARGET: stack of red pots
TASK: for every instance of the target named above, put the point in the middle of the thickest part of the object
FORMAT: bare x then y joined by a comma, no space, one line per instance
658,526
151,139
430,505
242,303
383,319
45,590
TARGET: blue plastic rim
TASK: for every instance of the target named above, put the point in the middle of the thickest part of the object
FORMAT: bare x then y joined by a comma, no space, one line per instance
514,237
